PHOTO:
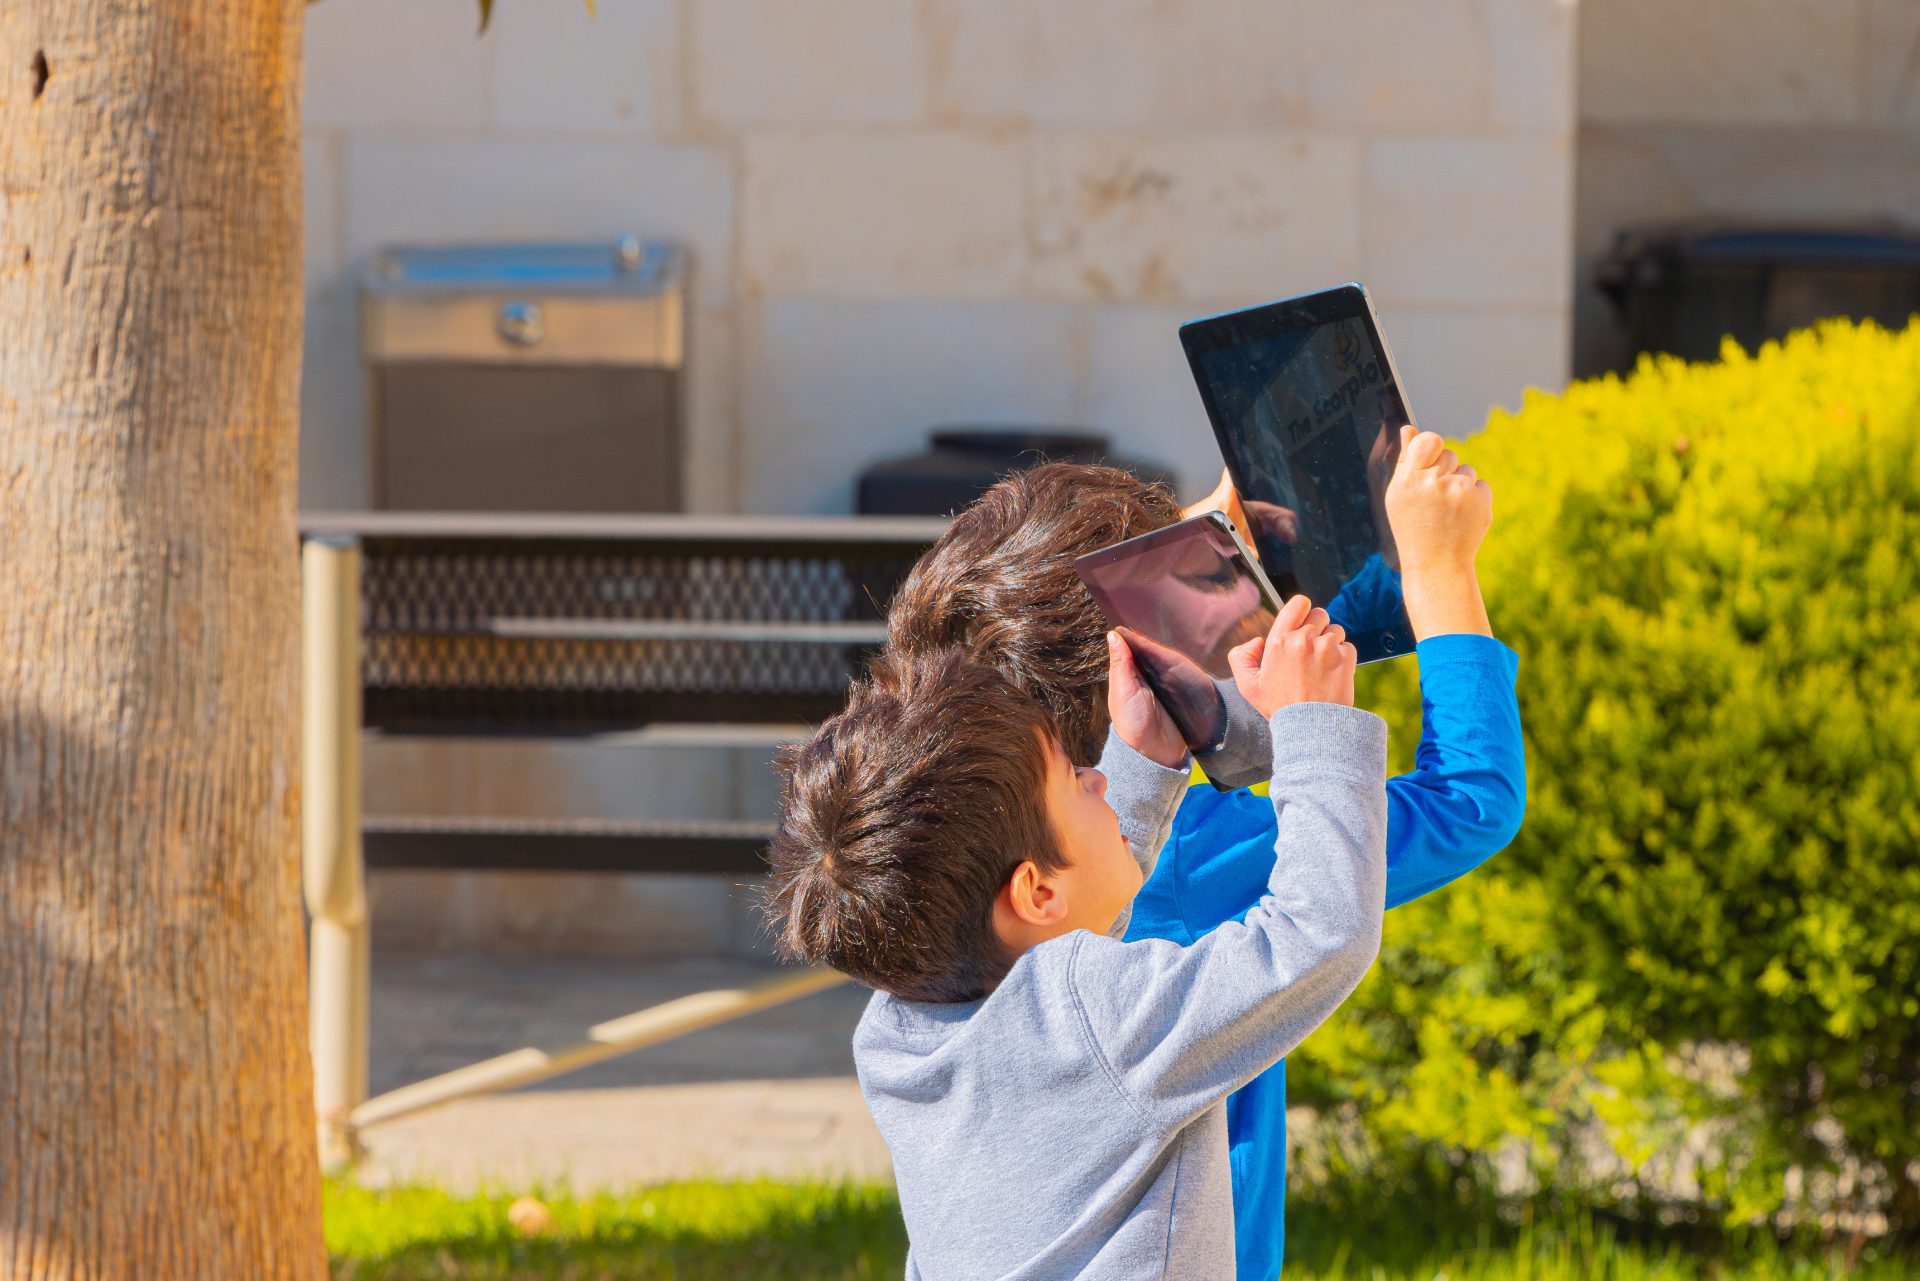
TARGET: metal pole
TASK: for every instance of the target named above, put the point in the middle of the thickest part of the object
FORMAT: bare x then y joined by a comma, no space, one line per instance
606,1040
332,867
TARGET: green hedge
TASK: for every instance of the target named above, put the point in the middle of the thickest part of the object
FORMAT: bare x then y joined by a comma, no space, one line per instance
1700,955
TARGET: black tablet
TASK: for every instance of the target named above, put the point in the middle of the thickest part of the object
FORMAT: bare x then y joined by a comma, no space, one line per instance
1307,406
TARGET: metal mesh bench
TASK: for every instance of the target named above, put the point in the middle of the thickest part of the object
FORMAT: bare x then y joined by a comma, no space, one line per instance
566,845
684,630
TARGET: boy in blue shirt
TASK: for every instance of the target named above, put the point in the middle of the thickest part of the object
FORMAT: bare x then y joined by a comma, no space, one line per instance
1000,584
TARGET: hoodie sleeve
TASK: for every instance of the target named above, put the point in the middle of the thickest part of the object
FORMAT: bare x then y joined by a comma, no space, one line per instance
1178,1028
1245,754
1463,801
1144,795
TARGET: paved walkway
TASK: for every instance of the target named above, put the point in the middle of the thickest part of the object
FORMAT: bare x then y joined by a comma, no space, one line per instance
769,1095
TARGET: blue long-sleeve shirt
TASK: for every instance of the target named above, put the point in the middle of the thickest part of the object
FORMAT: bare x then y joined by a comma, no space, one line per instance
1461,804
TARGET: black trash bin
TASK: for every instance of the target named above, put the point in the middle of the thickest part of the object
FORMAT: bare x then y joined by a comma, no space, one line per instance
962,462
1682,289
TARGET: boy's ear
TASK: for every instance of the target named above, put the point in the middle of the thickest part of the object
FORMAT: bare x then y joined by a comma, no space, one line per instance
1031,899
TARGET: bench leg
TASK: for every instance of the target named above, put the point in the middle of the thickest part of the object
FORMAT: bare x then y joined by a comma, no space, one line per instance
341,964
333,867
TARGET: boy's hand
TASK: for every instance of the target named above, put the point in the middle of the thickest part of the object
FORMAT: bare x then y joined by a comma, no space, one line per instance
1303,659
1253,519
1439,509
1224,499
1137,716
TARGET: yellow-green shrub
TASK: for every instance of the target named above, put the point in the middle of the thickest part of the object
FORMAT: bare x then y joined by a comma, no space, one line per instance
1713,910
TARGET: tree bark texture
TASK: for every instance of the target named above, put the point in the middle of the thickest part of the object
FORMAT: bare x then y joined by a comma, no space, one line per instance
155,1093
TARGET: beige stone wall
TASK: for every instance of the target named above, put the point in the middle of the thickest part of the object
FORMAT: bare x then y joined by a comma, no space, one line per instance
912,212
1792,111
908,212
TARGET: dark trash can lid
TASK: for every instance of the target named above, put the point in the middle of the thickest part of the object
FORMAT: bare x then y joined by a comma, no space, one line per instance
1011,442
1793,247
963,462
1645,257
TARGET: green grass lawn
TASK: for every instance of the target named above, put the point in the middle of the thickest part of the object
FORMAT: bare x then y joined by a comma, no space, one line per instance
683,1231
744,1231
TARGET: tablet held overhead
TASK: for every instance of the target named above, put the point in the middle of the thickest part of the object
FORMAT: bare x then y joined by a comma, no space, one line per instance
1307,406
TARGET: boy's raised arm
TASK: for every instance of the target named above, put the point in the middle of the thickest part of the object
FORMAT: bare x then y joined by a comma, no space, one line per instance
1464,800
1179,1028
1182,1027
1439,510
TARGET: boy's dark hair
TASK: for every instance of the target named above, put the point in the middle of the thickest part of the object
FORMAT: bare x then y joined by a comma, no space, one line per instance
901,820
1000,585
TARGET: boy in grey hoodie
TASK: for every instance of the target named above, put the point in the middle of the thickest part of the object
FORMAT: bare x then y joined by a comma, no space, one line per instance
1053,1097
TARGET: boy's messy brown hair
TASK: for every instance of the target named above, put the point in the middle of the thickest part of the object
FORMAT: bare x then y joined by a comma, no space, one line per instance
1000,585
900,822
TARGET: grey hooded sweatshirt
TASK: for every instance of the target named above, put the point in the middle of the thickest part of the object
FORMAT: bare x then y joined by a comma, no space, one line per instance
1073,1122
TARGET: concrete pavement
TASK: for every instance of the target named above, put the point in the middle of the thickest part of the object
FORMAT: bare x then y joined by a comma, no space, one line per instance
771,1095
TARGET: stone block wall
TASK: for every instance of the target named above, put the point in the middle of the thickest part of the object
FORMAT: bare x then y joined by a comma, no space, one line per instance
1784,111
910,212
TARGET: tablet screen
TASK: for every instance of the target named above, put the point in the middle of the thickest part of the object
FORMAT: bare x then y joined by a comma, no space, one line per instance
1182,597
1185,586
1307,407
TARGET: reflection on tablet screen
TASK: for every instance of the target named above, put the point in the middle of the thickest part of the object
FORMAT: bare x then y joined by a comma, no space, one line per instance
1308,412
1183,593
